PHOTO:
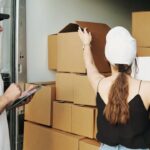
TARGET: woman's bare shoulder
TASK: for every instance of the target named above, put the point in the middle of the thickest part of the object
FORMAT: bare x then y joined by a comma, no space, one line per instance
145,92
144,85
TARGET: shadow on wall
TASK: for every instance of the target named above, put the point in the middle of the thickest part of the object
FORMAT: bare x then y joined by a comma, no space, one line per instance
140,5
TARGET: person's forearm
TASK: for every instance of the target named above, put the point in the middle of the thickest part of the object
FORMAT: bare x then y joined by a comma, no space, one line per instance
3,104
88,58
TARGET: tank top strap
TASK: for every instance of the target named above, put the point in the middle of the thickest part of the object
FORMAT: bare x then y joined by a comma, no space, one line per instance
139,86
99,83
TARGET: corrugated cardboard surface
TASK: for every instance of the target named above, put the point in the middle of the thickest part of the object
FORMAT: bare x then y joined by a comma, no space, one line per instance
41,138
70,53
83,91
83,121
52,52
62,116
87,144
36,137
141,28
143,52
65,87
39,109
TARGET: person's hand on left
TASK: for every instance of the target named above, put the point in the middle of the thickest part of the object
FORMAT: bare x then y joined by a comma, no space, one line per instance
25,92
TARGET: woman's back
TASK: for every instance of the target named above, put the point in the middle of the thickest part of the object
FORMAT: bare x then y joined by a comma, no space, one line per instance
136,132
136,87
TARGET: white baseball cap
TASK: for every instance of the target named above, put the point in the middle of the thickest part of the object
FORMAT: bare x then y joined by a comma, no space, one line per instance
120,46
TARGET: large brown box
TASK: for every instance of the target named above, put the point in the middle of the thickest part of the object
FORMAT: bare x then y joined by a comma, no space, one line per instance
83,121
38,137
62,116
83,91
65,87
70,52
88,144
143,52
39,110
141,28
52,51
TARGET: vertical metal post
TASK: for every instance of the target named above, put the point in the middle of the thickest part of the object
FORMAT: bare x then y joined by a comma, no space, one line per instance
12,113
18,71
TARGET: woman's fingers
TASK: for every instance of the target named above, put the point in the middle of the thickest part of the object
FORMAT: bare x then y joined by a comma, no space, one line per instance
85,31
85,36
80,32
79,29
90,35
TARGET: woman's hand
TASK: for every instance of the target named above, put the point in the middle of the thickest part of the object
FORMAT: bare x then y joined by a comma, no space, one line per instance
85,37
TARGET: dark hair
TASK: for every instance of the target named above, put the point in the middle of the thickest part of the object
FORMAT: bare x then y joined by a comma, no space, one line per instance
117,109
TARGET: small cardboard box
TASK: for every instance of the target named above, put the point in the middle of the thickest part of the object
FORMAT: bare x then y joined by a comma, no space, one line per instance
39,110
62,116
141,28
52,51
143,52
83,121
83,91
88,144
38,137
65,87
70,52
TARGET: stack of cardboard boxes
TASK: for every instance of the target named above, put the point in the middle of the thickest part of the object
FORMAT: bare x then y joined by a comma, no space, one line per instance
141,32
74,108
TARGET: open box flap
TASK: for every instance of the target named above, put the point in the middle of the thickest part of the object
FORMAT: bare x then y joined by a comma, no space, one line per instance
98,31
71,27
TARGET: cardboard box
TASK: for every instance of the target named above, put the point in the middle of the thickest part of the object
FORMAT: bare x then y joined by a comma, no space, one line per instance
83,121
141,28
65,87
83,91
88,144
38,137
40,108
62,116
52,51
70,52
143,52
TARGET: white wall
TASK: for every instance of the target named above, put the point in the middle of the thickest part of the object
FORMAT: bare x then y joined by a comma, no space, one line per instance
45,17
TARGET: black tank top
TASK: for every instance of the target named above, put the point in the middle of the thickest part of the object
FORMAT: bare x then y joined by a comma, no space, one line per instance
134,134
